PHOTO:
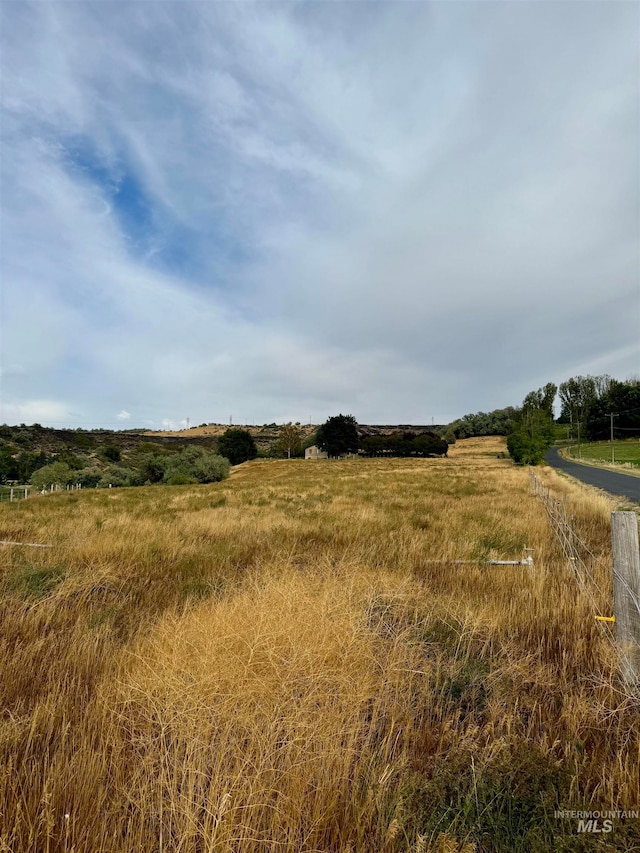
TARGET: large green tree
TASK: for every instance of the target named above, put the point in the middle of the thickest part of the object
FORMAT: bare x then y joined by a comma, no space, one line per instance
237,445
533,432
289,441
541,399
531,438
338,435
577,395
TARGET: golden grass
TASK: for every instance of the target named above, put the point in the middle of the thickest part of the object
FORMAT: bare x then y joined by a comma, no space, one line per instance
292,660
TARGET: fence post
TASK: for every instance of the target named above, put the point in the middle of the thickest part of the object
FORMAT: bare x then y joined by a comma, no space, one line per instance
626,591
11,494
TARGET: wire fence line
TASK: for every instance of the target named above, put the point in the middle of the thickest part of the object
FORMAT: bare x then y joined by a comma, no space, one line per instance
575,549
19,493
14,493
582,561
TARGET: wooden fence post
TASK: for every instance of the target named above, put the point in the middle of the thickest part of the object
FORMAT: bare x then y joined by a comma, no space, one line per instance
626,591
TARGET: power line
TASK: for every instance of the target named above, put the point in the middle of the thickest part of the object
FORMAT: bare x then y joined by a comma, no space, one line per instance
624,412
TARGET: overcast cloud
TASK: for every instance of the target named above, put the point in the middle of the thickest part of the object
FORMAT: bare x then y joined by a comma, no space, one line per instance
277,211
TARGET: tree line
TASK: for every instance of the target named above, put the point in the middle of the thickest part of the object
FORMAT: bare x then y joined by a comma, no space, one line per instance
339,436
587,404
406,444
590,406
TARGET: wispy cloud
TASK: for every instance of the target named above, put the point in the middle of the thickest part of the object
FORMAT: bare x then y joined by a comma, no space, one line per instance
283,210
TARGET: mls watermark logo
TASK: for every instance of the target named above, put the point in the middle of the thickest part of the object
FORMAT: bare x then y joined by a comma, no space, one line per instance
592,824
597,822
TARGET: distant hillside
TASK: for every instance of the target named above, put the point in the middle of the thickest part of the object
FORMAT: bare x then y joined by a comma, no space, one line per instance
370,429
54,441
24,449
266,434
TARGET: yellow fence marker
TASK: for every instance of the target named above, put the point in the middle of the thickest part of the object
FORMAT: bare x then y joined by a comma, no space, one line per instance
606,618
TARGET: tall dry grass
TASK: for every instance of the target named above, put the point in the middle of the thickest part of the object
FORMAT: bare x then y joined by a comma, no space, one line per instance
293,660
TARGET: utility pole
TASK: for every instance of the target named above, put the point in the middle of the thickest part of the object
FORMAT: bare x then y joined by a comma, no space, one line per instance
613,452
579,445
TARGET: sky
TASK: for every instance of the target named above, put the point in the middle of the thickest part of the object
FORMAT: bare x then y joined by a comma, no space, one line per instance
274,211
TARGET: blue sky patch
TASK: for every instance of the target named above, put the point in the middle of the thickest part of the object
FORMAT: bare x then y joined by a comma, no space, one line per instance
121,189
153,234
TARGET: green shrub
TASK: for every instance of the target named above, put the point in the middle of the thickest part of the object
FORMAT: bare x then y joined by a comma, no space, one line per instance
28,461
152,467
198,465
76,463
527,449
211,468
57,473
116,475
180,480
112,453
89,477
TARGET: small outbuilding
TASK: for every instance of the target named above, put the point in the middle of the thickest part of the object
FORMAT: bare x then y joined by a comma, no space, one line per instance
314,452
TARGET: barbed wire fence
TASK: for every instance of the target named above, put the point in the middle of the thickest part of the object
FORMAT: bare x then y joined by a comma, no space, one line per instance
624,569
573,547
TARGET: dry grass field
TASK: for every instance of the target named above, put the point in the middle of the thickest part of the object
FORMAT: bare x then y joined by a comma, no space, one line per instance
293,660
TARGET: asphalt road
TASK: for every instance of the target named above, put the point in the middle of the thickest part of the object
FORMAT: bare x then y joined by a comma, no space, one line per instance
624,485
